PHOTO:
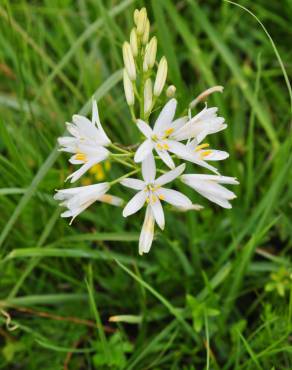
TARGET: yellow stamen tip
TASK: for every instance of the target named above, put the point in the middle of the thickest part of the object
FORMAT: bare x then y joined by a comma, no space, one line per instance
202,146
81,157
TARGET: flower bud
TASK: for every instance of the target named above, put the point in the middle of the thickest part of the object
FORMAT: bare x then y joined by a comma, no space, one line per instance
146,33
128,87
136,15
129,61
134,42
147,96
170,92
141,21
160,77
150,52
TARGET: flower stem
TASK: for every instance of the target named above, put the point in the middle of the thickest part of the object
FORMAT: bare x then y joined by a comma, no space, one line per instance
127,164
124,177
119,149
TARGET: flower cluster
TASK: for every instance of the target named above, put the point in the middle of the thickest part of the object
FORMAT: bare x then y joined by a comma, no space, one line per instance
166,142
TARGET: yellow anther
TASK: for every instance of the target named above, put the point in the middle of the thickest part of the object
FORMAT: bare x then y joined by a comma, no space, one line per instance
106,198
165,146
153,198
205,153
159,146
81,157
147,200
161,197
169,131
202,146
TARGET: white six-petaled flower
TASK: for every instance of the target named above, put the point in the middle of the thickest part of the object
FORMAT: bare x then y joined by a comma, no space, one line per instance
87,143
167,133
152,192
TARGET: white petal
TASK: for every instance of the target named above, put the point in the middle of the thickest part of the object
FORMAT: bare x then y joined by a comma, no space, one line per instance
81,171
165,117
174,198
135,204
111,199
143,151
215,155
158,213
149,169
144,128
170,176
220,201
96,120
165,157
95,115
133,183
219,179
178,123
179,149
147,232
184,152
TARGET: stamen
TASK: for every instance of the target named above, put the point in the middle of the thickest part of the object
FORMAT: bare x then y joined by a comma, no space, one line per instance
159,146
106,198
202,146
169,131
161,197
81,157
153,199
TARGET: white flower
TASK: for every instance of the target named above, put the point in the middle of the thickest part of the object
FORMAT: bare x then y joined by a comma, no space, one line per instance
202,124
150,191
209,187
87,142
162,138
79,198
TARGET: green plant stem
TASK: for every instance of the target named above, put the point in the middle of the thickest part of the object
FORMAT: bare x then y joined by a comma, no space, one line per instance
124,177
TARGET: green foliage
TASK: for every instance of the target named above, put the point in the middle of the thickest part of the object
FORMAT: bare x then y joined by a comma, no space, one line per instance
60,284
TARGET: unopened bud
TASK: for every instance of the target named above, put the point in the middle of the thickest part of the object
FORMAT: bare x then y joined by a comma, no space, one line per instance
128,87
150,52
136,15
129,61
141,21
170,92
160,77
204,95
134,42
146,33
147,96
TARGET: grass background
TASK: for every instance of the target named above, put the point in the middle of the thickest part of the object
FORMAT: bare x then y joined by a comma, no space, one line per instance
210,293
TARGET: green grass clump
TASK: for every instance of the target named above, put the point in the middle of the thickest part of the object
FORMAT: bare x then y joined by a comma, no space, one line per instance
215,292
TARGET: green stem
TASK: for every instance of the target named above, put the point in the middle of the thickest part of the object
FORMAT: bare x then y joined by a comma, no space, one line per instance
124,177
127,164
119,149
